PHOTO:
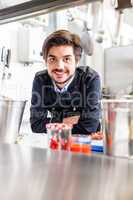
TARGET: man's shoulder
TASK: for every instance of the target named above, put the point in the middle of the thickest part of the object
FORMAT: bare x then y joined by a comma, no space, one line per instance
43,77
87,71
41,73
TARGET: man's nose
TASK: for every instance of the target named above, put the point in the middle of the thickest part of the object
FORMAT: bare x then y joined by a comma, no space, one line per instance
60,64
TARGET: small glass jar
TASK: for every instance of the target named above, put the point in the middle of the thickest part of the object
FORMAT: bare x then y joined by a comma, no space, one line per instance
59,136
81,144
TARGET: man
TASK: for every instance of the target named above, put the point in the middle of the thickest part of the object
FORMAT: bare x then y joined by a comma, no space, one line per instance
64,92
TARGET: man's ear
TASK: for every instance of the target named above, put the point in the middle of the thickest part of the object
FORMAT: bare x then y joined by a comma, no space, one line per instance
77,62
45,64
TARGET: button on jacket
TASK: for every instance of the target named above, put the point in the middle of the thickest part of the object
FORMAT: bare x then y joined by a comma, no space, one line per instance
81,98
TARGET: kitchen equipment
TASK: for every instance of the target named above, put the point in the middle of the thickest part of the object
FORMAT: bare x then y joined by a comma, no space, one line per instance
11,113
87,42
118,127
5,56
122,4
8,58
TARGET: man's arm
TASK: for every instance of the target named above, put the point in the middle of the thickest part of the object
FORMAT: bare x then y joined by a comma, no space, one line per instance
38,113
71,120
91,113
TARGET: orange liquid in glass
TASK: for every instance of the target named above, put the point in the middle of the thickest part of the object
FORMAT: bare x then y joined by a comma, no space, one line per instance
82,148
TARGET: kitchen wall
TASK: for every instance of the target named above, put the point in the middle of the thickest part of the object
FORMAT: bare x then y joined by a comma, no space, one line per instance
19,84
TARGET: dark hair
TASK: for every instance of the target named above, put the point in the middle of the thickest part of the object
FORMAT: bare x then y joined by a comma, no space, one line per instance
62,37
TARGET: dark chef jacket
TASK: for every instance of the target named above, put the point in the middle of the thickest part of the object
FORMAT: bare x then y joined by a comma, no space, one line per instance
81,98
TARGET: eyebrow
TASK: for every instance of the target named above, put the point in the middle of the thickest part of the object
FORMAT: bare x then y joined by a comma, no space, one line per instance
67,56
50,55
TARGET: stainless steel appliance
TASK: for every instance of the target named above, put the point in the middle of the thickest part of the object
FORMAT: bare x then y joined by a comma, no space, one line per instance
118,127
11,112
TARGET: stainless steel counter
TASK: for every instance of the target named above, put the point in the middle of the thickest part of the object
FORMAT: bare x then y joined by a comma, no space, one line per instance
38,174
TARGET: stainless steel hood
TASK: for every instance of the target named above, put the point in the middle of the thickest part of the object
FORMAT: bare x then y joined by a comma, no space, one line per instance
6,4
18,9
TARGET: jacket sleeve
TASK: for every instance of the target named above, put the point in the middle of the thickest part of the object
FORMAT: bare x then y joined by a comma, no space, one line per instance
90,117
38,112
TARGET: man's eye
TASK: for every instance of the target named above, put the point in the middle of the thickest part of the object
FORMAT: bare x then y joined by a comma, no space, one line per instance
51,60
67,59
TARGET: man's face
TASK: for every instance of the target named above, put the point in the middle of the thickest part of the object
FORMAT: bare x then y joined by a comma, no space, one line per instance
61,63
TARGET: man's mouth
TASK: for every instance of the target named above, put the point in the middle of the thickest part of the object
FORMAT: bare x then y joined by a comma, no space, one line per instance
59,72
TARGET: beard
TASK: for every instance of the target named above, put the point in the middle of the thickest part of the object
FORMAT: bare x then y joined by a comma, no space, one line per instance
61,82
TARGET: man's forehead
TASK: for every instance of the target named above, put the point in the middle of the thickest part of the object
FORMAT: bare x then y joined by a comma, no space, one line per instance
61,51
63,48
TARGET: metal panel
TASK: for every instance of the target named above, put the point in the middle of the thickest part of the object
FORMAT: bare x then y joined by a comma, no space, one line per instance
37,7
38,174
6,4
119,68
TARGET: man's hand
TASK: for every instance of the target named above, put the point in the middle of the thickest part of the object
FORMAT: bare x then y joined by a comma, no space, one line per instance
71,120
97,136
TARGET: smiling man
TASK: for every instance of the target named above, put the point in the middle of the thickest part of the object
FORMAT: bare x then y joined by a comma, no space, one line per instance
65,92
